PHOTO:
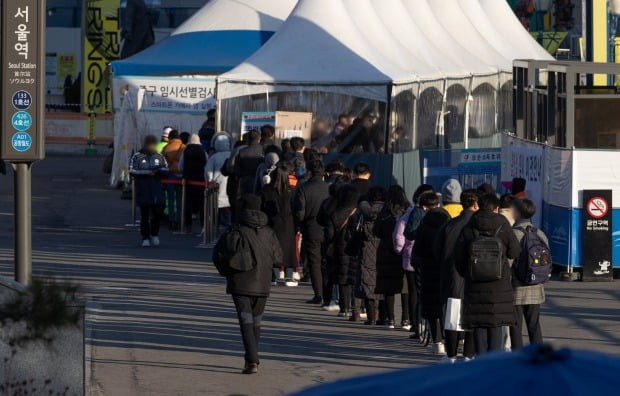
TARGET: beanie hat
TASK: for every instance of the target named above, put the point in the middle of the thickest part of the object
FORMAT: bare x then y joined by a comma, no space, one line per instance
166,132
194,139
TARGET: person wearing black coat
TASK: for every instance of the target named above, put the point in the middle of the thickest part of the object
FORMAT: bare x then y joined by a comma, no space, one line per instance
366,281
192,165
424,261
277,198
250,289
390,275
336,235
487,306
451,282
306,205
247,161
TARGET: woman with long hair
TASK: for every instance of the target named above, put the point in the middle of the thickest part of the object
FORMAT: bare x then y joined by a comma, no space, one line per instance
276,197
390,274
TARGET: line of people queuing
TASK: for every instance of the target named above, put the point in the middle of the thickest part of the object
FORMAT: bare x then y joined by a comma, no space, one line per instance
454,258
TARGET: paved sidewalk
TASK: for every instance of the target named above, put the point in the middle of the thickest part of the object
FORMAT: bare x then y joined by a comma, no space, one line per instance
162,325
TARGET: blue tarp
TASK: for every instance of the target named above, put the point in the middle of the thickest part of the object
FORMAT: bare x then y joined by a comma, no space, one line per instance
211,52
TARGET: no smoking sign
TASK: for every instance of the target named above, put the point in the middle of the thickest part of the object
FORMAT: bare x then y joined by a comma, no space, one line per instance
597,207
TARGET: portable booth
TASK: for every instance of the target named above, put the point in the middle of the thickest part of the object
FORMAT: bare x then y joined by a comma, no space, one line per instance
567,136
172,83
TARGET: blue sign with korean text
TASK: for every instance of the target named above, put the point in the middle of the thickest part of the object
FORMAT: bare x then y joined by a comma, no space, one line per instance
22,100
21,142
21,121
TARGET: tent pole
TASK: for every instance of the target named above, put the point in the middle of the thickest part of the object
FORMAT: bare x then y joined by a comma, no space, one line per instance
388,117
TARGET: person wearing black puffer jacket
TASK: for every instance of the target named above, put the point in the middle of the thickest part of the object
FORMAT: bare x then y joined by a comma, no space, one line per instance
425,263
192,165
487,306
250,289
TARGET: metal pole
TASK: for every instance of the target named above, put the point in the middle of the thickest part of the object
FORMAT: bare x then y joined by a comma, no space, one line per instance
183,206
133,201
23,223
205,209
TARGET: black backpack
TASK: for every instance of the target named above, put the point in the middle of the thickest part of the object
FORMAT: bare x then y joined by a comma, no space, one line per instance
233,252
486,257
534,264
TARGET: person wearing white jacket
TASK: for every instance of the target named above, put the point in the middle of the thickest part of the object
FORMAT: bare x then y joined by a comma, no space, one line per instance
221,142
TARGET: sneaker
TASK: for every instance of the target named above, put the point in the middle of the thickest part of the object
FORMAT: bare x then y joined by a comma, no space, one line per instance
274,283
468,359
331,307
414,335
438,348
344,314
251,368
155,241
296,276
282,275
146,243
291,283
390,325
405,325
370,322
315,300
363,315
447,360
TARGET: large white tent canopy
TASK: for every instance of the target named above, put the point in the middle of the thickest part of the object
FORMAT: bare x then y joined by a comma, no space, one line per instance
357,42
409,53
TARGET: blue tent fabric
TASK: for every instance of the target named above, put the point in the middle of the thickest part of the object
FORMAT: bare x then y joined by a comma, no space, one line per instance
210,52
535,370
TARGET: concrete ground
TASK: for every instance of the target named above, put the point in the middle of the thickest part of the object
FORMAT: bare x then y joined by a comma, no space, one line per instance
161,324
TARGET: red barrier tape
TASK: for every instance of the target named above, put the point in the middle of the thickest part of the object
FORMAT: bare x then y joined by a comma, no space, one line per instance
179,182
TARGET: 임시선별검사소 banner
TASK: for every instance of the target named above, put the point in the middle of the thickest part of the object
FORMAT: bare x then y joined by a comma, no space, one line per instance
102,45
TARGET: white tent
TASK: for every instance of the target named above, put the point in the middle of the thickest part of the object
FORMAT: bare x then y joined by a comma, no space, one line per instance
172,83
425,58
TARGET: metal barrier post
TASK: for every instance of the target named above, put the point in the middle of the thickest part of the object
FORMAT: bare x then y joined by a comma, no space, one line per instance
183,204
133,200
205,208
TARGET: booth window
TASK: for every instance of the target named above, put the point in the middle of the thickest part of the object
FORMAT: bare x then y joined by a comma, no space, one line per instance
455,116
429,110
597,123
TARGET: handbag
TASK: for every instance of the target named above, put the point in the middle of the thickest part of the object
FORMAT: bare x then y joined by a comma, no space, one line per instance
356,238
331,248
453,315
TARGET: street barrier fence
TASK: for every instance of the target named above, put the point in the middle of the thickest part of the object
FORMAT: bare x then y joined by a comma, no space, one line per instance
210,206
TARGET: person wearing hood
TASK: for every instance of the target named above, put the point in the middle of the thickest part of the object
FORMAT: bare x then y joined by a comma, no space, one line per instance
192,165
213,174
335,235
249,283
450,197
424,261
265,170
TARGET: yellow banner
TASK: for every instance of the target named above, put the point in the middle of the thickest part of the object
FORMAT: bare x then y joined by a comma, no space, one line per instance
102,45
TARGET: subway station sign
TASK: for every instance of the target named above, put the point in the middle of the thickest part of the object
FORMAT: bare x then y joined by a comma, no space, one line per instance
23,80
